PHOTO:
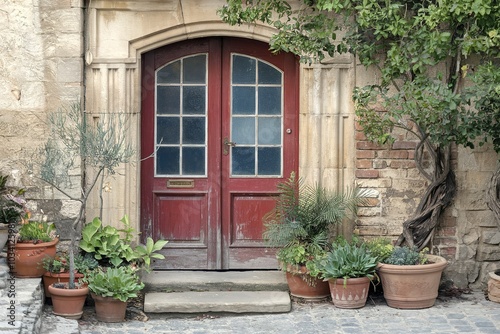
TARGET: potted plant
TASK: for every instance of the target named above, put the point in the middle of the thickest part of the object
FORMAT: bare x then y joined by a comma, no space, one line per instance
103,148
300,226
410,279
111,288
67,302
34,242
57,269
349,268
301,270
117,279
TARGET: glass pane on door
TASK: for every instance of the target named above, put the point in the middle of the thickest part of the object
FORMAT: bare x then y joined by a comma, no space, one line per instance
256,118
181,117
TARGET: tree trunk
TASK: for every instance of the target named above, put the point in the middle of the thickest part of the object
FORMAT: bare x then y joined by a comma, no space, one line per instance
419,230
494,194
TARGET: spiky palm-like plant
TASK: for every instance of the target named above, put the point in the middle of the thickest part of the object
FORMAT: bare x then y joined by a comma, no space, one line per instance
301,222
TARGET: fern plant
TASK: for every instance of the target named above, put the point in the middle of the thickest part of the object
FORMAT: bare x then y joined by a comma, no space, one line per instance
301,221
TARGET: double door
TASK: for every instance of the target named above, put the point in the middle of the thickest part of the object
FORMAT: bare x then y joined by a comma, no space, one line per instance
219,130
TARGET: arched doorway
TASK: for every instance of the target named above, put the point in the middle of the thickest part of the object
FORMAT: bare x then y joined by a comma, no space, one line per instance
219,130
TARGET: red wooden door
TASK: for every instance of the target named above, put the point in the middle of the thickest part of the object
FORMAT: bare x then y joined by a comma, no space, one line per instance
218,131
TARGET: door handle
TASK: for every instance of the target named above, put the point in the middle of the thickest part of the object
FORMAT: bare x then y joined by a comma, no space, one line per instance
226,144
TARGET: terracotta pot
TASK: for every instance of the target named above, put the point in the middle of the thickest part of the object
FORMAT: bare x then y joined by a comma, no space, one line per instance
68,303
302,285
412,287
51,278
28,258
494,286
109,309
351,295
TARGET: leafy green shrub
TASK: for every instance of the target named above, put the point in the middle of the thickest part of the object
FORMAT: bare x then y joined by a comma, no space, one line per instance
405,256
37,232
110,248
121,283
381,248
348,260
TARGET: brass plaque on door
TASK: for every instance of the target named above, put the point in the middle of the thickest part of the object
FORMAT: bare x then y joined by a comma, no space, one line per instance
180,183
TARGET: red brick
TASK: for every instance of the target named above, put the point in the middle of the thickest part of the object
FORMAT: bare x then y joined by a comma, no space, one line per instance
383,154
358,127
365,154
367,145
399,154
404,145
447,231
366,173
445,241
363,164
360,135
448,252
448,221
402,164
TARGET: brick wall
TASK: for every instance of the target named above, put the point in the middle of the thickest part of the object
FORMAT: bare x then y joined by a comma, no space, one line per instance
391,171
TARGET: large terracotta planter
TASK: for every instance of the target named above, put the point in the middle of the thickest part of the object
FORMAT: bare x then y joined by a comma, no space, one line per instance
109,309
302,285
68,303
28,258
494,286
351,295
51,278
412,287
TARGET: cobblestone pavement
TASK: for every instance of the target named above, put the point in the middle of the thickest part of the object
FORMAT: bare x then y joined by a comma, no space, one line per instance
469,313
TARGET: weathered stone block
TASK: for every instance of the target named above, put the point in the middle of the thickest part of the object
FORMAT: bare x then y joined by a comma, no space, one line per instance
370,183
69,70
466,253
379,164
491,237
462,273
482,218
488,253
368,212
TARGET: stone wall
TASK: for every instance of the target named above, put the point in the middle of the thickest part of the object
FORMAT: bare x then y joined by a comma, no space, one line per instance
41,70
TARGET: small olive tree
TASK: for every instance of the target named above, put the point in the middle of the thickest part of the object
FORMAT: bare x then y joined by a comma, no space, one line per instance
75,143
423,50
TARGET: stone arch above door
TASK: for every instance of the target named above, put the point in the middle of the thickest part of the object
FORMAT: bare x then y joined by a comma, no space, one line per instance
118,33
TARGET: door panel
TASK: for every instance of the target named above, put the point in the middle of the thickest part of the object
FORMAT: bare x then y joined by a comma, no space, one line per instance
264,149
219,130
180,180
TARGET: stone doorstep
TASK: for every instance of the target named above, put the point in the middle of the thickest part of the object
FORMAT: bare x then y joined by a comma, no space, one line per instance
178,281
212,291
218,301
